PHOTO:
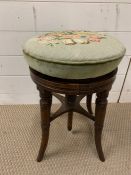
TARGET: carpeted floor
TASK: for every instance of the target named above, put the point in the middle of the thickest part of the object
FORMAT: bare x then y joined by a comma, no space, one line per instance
68,153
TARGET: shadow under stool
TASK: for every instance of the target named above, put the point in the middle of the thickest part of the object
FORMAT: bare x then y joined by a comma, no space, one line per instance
65,63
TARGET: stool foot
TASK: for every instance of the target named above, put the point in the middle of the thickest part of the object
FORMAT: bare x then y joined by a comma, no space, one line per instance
70,117
44,142
45,107
98,133
100,111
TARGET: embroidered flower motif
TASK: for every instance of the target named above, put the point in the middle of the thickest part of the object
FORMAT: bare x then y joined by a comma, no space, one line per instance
70,38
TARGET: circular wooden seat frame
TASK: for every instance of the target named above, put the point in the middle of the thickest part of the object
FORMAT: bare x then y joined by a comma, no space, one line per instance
75,91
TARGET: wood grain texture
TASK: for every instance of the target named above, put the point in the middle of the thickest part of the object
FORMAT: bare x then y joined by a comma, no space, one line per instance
74,91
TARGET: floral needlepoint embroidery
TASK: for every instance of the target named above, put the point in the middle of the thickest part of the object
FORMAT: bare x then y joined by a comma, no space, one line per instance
70,38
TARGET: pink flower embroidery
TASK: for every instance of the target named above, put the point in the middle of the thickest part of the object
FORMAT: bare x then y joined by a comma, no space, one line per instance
95,38
70,38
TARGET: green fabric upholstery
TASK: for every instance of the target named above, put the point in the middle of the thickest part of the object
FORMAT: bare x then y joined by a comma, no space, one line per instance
73,55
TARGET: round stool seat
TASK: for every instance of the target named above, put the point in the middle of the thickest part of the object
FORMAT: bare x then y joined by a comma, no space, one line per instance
73,55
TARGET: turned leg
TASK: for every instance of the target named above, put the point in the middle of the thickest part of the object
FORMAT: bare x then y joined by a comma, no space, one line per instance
45,107
88,103
70,101
70,117
100,111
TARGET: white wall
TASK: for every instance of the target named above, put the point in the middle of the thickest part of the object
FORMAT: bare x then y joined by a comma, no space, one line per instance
19,20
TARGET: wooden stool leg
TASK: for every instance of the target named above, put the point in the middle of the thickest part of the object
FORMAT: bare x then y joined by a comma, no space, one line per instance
45,106
100,111
88,103
70,101
70,117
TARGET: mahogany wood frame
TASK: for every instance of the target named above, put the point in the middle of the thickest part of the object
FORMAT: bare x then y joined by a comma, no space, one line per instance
75,91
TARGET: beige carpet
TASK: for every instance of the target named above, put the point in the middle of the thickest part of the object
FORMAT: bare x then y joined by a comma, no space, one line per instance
68,153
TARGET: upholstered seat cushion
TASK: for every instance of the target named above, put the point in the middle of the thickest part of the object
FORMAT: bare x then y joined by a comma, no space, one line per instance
73,55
